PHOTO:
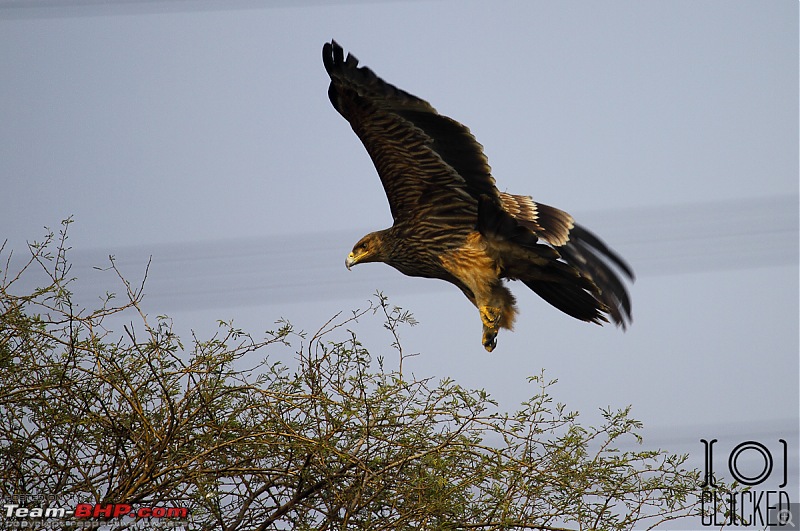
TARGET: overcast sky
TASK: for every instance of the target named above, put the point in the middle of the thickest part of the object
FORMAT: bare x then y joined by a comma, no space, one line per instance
200,133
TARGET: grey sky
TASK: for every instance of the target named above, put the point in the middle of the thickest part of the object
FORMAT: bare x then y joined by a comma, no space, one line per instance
200,133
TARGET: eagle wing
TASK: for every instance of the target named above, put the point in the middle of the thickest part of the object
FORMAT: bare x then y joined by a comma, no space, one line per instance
431,166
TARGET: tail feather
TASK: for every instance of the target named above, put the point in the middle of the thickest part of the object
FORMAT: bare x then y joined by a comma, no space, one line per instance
587,238
575,275
571,299
588,253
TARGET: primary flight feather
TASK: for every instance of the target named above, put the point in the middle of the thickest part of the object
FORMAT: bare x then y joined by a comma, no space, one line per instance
452,223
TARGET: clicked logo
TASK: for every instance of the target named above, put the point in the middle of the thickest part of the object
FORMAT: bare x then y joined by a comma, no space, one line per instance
762,471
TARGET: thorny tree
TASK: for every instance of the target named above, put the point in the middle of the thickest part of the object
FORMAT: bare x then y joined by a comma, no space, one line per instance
328,439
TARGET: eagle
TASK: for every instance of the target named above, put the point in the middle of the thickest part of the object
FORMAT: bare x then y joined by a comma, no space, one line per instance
452,223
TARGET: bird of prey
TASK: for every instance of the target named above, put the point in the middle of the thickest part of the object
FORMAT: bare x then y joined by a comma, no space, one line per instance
453,224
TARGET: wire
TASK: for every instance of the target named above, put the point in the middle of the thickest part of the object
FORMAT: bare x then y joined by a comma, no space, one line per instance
657,241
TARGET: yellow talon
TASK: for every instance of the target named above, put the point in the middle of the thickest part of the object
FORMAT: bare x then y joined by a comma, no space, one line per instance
490,317
489,338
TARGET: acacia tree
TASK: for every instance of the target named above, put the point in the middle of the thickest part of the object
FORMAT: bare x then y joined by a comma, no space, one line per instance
333,440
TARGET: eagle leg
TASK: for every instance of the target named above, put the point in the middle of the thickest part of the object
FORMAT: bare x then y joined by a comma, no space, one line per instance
490,316
497,310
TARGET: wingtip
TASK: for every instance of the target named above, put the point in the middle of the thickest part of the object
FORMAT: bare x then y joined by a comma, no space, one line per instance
333,57
331,46
327,55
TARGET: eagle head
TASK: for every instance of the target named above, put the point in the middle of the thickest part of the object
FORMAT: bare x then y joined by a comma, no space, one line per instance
370,248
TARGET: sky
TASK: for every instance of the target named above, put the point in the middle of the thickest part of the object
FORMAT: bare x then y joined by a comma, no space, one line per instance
199,135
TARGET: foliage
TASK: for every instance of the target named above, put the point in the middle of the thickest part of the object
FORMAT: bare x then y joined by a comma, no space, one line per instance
329,439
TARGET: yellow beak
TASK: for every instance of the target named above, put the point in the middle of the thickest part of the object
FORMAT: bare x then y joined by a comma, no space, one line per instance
350,261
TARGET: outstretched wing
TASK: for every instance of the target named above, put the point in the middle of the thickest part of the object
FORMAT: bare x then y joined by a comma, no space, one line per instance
579,248
430,165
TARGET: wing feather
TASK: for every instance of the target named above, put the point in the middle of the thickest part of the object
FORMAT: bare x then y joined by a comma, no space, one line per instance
549,223
430,165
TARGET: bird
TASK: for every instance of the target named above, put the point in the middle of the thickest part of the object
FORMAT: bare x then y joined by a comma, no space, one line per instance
450,221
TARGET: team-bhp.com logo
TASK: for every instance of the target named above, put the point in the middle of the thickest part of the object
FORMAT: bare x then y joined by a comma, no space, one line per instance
761,473
23,513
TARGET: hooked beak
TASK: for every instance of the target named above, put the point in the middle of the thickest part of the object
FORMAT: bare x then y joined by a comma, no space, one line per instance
350,261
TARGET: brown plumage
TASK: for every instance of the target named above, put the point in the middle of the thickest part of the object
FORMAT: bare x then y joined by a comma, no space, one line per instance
451,222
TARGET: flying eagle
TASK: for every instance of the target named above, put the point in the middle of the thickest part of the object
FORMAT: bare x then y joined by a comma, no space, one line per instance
452,223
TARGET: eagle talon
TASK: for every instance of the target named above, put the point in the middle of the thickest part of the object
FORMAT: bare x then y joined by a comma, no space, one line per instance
490,316
489,338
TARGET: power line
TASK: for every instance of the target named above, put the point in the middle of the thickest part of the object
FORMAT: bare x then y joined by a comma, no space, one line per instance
663,240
